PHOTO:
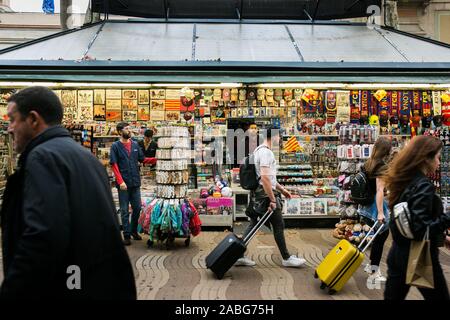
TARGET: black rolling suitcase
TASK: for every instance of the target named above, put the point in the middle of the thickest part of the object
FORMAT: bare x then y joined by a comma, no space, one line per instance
230,249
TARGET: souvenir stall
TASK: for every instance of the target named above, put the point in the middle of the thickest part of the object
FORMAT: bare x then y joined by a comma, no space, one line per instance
329,107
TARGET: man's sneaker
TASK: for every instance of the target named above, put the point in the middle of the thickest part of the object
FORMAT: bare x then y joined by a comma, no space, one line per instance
293,261
136,236
378,277
245,261
127,241
368,269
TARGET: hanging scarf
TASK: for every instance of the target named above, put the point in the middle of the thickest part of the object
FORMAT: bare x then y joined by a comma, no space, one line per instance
343,106
395,107
426,109
405,109
384,110
355,106
331,106
365,101
416,116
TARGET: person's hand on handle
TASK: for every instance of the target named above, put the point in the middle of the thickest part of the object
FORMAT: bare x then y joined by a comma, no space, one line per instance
272,205
380,218
123,186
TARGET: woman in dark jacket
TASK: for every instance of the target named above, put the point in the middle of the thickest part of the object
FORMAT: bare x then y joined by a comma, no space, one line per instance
406,181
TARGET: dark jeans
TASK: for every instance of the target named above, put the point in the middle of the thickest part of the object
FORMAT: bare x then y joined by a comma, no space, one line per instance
277,223
131,196
396,289
377,247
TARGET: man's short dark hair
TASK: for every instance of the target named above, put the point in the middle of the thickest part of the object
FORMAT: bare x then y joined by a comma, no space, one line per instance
40,99
148,133
121,125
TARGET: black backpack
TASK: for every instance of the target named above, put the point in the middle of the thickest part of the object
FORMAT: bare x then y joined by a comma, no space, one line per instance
247,174
360,189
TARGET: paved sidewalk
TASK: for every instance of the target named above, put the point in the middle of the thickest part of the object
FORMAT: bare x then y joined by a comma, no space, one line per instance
180,273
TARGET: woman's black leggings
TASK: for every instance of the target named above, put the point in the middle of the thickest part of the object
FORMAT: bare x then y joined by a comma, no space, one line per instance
397,289
377,247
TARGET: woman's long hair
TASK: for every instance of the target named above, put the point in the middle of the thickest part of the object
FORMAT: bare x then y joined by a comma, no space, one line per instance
380,153
415,157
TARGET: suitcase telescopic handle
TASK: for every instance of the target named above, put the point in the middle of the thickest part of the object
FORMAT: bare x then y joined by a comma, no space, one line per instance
258,225
367,236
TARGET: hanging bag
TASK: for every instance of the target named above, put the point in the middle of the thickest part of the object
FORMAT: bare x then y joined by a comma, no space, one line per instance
420,267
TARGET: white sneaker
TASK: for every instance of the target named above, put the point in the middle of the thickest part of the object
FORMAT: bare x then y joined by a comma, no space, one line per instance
378,277
369,269
293,261
245,261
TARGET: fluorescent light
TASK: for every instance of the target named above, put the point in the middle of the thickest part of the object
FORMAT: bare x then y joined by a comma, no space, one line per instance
27,84
301,85
198,85
356,86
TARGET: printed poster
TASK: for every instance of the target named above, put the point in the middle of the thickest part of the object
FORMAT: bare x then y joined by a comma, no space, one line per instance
99,96
113,94
343,106
143,97
129,94
143,113
99,112
85,105
69,102
129,104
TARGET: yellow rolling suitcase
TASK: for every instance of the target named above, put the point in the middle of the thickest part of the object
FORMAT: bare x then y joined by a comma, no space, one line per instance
341,262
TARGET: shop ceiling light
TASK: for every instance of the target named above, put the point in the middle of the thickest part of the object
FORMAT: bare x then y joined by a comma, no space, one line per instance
199,85
19,84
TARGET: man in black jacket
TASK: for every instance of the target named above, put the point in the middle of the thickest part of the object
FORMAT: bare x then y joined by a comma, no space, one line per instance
60,237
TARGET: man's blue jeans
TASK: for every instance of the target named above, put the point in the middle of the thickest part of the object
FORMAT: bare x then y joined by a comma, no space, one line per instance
126,197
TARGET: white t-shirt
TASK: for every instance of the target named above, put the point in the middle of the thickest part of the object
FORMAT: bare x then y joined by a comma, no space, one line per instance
264,157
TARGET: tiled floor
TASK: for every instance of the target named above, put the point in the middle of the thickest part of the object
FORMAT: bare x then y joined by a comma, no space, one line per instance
180,273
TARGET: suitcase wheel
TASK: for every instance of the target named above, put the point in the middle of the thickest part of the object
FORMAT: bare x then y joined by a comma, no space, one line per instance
316,275
220,277
331,291
322,285
187,242
149,243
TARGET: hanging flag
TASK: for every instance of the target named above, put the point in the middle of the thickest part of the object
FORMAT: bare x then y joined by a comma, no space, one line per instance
48,6
292,145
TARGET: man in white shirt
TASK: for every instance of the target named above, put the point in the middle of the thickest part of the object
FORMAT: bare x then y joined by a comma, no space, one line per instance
268,197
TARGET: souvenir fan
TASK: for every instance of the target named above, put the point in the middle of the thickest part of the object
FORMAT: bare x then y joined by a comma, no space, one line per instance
217,95
380,95
278,96
226,95
309,95
208,95
261,94
234,94
251,94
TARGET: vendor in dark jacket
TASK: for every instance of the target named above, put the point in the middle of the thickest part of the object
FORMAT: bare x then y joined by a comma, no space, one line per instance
147,145
407,181
60,237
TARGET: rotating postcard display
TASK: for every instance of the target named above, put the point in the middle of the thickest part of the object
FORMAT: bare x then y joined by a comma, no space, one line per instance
171,215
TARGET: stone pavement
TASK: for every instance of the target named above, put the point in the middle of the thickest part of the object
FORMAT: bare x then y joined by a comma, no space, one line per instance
180,273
